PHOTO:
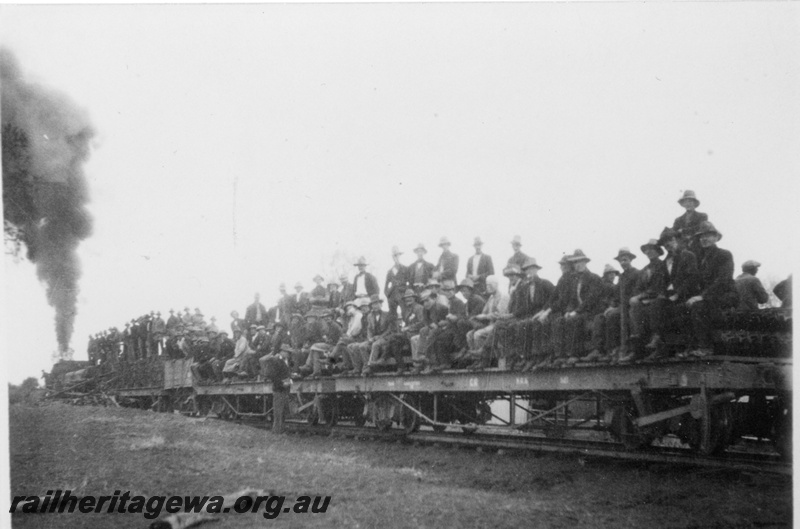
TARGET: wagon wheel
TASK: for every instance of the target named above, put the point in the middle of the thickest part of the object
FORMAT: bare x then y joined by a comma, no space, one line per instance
782,431
408,419
623,428
712,426
382,413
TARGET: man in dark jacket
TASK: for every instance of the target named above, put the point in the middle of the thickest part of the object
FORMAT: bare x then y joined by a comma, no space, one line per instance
364,283
542,340
421,270
396,282
652,285
479,267
751,291
670,311
432,314
687,224
531,296
717,289
583,303
276,371
609,301
447,267
256,313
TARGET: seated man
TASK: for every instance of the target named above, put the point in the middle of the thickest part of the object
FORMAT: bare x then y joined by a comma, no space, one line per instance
652,285
583,304
432,314
352,321
412,321
609,300
751,291
351,354
443,341
242,355
532,298
201,367
223,350
619,311
320,353
479,339
380,325
542,350
670,312
717,290
508,338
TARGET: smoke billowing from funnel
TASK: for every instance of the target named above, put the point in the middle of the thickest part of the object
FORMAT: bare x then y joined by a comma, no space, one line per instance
45,143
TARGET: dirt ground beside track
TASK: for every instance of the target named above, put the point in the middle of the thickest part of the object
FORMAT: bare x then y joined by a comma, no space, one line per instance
373,484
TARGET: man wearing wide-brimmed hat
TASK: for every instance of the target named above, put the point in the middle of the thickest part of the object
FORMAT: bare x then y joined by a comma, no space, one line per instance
432,314
319,297
380,325
396,282
400,341
353,332
299,302
652,285
687,224
582,305
421,270
751,291
334,295
364,283
717,289
543,330
517,258
609,300
479,267
447,267
474,301
670,312
346,288
529,299
615,327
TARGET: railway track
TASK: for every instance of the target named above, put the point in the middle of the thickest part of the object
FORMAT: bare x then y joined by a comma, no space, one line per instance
730,460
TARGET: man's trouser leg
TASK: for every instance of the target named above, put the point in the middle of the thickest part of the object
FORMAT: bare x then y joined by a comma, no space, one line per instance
280,401
612,329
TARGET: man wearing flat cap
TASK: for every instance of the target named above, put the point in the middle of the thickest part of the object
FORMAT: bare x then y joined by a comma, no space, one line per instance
687,224
582,305
421,271
751,291
396,282
447,267
651,286
364,284
479,267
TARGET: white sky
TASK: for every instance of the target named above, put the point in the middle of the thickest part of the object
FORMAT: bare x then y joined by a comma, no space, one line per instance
241,146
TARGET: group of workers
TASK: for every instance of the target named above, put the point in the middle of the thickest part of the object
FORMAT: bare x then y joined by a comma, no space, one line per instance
434,322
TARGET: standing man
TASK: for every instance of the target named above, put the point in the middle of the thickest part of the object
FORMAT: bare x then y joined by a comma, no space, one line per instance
364,284
334,296
173,321
687,224
717,289
479,267
447,267
256,313
421,271
319,298
517,258
396,282
751,291
347,289
276,371
300,301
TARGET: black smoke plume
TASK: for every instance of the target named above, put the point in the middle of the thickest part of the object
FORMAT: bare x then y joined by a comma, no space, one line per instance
45,144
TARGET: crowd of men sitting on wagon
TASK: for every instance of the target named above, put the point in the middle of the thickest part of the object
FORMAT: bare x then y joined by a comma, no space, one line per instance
435,323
